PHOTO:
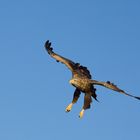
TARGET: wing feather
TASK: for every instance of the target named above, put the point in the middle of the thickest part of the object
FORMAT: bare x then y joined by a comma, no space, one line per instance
70,64
82,71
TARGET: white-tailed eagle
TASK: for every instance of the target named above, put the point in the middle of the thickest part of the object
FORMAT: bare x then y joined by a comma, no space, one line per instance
82,81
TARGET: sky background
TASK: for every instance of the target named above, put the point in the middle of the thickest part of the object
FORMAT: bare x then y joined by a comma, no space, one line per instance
103,35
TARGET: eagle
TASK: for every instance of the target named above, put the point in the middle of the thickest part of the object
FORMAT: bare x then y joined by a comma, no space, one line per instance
82,81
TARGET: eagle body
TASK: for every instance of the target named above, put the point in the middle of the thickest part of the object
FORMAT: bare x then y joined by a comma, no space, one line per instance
82,81
83,84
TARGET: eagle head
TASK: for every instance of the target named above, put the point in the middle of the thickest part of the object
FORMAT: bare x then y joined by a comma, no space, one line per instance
74,82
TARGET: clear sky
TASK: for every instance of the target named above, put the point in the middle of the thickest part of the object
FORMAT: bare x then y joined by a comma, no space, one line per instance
103,35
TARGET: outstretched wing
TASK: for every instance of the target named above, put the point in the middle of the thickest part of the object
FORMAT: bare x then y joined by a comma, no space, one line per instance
112,86
76,68
70,64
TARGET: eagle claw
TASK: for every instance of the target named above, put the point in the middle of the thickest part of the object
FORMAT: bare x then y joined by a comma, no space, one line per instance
69,107
81,113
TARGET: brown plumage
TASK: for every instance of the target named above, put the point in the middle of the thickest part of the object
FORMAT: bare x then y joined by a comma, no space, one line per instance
81,80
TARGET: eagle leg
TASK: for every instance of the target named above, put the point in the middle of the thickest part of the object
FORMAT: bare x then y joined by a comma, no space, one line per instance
87,102
76,95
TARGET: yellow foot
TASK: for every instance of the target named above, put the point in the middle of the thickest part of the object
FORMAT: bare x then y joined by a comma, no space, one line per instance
68,108
81,113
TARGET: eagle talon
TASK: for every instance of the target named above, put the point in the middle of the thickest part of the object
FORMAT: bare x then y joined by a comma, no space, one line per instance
81,113
69,107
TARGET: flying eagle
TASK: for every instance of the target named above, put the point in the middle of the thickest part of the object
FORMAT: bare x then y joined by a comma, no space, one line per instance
82,81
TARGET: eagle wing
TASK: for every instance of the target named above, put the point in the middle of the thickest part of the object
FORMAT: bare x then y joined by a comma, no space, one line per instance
70,64
76,68
112,86
81,71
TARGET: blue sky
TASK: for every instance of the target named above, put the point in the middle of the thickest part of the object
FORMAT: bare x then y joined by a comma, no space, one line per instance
102,35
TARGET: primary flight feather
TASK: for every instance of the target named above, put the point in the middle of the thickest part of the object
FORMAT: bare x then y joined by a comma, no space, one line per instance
81,80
